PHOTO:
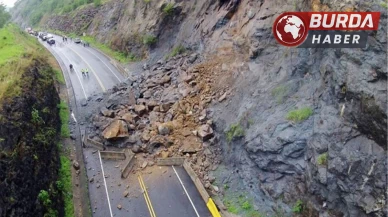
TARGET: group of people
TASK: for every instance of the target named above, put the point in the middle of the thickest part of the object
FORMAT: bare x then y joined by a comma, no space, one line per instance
64,39
85,71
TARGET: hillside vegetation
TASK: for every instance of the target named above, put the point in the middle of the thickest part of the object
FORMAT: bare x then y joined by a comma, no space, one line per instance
35,9
34,179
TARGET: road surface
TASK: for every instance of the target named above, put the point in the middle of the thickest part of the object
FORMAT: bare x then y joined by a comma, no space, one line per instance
156,191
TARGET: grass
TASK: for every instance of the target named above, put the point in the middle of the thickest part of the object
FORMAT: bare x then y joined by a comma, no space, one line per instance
322,159
235,131
176,51
280,93
384,5
149,40
59,76
240,205
168,9
16,52
298,207
119,56
299,115
64,184
64,116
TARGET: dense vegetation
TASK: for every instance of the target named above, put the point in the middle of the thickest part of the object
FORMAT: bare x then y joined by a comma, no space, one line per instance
34,179
36,9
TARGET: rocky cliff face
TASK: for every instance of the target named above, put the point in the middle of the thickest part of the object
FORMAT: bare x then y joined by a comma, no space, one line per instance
333,159
29,158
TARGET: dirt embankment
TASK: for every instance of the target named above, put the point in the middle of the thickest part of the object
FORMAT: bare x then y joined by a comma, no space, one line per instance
29,160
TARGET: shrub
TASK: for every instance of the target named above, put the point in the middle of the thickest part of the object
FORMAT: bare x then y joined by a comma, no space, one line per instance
299,115
235,131
44,198
280,93
298,207
149,40
147,1
177,50
322,159
168,9
246,205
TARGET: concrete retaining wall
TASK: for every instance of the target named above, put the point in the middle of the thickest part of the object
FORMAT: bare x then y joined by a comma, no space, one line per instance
91,143
129,163
198,184
115,155
171,161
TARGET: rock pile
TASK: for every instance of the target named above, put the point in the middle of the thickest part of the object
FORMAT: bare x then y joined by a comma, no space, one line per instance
164,115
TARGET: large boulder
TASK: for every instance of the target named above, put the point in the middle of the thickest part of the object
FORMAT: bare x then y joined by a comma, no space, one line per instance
117,129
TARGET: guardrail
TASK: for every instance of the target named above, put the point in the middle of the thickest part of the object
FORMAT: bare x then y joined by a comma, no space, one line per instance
171,161
129,163
92,143
115,155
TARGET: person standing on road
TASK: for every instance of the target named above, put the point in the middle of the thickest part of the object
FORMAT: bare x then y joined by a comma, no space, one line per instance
83,72
87,71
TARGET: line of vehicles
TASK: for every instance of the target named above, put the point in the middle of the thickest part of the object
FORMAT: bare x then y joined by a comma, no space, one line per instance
49,38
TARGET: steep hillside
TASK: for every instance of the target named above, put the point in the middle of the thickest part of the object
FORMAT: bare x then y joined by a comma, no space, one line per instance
29,125
302,131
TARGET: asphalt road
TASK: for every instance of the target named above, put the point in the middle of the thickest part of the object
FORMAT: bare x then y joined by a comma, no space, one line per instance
156,191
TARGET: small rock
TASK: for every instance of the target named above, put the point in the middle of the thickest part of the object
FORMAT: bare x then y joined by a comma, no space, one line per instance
215,188
76,165
98,186
119,207
205,132
136,149
144,165
126,193
222,98
91,180
140,109
163,129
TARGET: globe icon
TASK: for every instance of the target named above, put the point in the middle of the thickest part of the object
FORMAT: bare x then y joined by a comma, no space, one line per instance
290,30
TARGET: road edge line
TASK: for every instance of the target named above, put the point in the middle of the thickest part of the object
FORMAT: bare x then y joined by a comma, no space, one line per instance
187,194
106,188
105,65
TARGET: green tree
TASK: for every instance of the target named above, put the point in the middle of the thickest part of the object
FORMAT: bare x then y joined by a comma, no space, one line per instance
4,15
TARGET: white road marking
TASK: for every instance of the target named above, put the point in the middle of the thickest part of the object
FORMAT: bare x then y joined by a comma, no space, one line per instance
105,65
188,196
72,115
91,68
79,79
106,188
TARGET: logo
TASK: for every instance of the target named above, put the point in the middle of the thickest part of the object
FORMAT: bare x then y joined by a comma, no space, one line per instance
325,29
290,30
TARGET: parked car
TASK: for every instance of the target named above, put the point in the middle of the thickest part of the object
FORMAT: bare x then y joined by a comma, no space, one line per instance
77,40
51,41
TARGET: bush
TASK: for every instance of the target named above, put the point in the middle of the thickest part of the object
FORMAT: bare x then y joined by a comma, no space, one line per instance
169,9
235,131
44,198
149,40
299,115
322,159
